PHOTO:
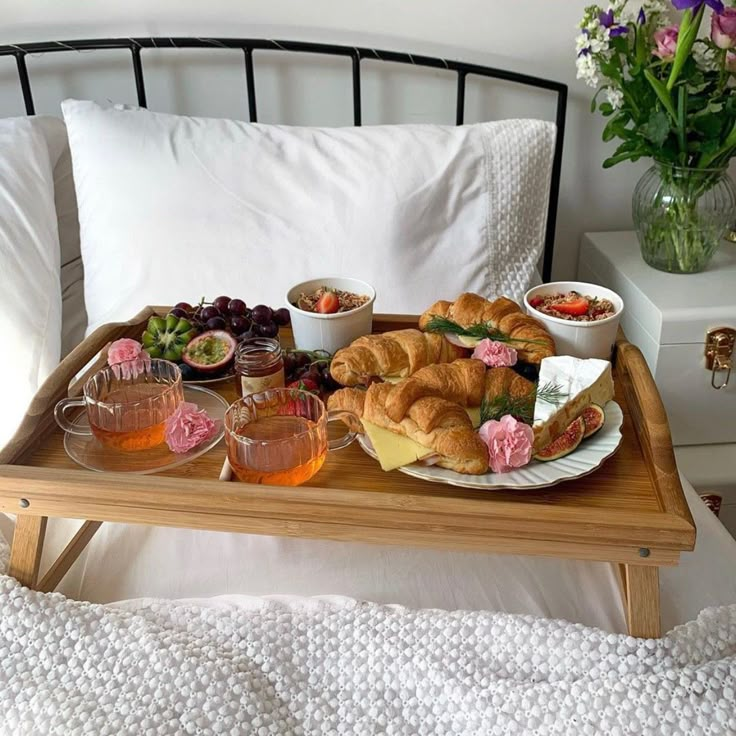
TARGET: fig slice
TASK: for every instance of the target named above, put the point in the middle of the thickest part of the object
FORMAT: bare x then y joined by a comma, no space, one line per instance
565,443
594,418
210,352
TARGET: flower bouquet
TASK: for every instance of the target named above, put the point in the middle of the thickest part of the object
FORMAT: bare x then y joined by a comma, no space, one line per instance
667,91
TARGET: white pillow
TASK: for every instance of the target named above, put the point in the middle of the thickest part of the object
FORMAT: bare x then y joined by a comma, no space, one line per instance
73,314
30,294
174,208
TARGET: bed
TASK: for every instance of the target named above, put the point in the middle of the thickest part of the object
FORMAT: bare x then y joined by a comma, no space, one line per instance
133,562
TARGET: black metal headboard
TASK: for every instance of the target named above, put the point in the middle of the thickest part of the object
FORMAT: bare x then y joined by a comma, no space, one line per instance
355,53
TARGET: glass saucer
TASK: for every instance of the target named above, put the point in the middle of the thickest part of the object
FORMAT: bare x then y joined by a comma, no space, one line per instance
89,453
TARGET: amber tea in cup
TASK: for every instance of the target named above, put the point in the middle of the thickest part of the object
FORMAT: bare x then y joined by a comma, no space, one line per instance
279,436
127,410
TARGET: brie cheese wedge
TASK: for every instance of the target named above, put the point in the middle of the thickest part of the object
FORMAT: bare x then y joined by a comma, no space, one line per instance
581,381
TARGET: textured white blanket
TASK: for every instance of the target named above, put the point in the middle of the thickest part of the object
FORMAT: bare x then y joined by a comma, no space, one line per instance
316,666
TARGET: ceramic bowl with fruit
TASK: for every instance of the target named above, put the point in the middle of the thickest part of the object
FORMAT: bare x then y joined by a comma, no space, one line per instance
329,313
582,318
202,339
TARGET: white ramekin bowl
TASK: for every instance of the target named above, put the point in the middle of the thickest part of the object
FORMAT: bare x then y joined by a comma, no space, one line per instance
579,339
330,332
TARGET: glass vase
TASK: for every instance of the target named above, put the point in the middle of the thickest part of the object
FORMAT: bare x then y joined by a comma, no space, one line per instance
681,215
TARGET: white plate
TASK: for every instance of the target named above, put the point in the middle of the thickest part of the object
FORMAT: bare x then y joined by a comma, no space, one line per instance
588,457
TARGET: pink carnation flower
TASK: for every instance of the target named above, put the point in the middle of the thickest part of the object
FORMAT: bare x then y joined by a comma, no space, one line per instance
188,427
509,443
495,354
127,358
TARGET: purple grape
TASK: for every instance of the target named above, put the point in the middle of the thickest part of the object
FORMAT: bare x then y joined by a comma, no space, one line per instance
185,306
262,315
179,312
238,325
236,307
221,304
216,323
207,313
270,329
249,334
282,317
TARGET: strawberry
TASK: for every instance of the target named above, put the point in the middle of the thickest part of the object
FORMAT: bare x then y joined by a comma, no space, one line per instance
305,384
328,303
576,308
535,301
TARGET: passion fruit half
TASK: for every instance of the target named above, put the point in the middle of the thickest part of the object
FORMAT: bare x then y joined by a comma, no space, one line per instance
210,352
565,443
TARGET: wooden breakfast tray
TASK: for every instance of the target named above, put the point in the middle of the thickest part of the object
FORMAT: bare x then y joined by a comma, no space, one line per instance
631,512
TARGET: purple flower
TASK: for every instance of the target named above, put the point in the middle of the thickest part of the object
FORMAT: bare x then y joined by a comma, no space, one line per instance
695,5
641,19
607,20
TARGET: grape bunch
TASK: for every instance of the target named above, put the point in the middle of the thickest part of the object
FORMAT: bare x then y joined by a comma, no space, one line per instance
234,316
309,370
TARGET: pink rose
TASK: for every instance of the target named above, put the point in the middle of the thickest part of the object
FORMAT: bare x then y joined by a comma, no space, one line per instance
731,62
495,354
509,443
127,358
666,40
188,427
723,28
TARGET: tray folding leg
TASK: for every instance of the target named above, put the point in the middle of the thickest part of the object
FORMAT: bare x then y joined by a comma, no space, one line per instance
25,553
640,594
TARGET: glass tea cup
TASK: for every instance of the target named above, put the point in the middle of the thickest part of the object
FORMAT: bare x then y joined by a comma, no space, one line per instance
126,409
279,436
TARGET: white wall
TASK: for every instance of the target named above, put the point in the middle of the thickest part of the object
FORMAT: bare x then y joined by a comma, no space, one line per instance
534,36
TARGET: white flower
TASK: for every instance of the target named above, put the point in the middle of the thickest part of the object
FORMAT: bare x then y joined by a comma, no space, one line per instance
588,70
615,97
705,57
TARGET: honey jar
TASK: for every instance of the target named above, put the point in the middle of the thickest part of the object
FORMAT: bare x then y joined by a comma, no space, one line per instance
259,365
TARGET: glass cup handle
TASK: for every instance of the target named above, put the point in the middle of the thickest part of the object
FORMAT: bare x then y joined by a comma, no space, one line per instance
61,418
352,420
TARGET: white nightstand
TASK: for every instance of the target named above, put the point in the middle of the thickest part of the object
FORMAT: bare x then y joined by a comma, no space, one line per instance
668,317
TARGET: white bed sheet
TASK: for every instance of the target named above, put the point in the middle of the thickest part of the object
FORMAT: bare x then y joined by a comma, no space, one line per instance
128,562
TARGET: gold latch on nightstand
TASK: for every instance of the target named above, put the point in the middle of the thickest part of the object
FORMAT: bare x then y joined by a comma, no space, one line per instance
719,347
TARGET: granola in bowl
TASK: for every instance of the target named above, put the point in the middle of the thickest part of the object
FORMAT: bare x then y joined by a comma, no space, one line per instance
573,306
326,300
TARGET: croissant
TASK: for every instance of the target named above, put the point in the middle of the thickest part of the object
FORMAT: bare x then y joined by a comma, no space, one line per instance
504,315
462,382
465,382
435,423
399,353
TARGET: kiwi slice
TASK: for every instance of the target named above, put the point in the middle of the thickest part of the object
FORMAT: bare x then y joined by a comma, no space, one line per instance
166,337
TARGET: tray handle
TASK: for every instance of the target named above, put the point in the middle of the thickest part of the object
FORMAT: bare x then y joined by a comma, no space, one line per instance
651,425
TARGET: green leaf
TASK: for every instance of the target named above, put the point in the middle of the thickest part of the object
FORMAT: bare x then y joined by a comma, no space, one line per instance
657,128
606,108
708,125
687,36
662,93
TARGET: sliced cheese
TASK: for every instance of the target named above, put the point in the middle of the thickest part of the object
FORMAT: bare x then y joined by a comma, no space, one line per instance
394,450
582,381
468,342
474,414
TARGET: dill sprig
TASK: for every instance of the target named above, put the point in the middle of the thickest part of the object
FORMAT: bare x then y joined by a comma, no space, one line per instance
480,330
520,407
